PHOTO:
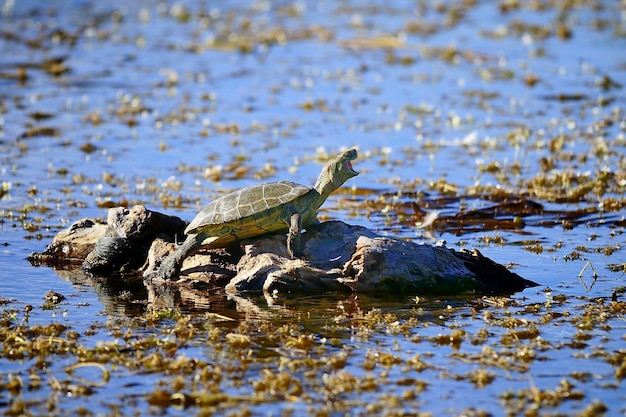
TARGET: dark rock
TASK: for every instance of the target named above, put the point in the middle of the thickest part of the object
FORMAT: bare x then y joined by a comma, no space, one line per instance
339,256
336,257
129,235
140,224
493,276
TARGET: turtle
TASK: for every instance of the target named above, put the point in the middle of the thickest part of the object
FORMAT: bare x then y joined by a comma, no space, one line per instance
261,209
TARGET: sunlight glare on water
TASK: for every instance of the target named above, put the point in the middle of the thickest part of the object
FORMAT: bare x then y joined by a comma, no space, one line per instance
460,108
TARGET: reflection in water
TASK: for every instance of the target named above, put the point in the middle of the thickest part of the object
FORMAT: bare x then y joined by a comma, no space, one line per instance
309,309
119,295
171,104
130,296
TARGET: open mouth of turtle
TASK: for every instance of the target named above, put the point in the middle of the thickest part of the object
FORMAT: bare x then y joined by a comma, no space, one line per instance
348,167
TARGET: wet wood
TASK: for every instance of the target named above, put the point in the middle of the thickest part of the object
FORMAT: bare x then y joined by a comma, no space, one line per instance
71,245
129,235
336,257
339,256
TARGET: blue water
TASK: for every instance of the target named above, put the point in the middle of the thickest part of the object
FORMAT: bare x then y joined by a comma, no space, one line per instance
167,103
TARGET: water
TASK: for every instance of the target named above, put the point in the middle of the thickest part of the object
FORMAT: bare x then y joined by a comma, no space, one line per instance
172,104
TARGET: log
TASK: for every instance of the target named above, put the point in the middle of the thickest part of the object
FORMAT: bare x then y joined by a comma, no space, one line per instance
340,256
336,257
72,245
128,236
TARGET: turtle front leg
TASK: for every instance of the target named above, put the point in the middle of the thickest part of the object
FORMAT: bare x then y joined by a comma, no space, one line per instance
170,266
293,238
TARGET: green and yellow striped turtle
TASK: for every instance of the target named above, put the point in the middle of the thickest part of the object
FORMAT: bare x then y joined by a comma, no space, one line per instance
261,209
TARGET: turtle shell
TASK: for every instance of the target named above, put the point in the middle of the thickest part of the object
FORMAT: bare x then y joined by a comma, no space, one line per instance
263,203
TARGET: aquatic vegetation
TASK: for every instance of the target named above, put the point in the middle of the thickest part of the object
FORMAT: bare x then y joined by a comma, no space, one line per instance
498,126
218,367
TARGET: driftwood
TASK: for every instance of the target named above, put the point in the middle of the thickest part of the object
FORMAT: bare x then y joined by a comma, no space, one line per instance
336,257
128,236
72,245
119,245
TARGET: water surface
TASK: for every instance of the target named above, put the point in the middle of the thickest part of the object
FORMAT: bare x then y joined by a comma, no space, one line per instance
454,107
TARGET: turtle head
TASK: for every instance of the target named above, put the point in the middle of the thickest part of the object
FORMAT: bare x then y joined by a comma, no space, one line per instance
336,171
